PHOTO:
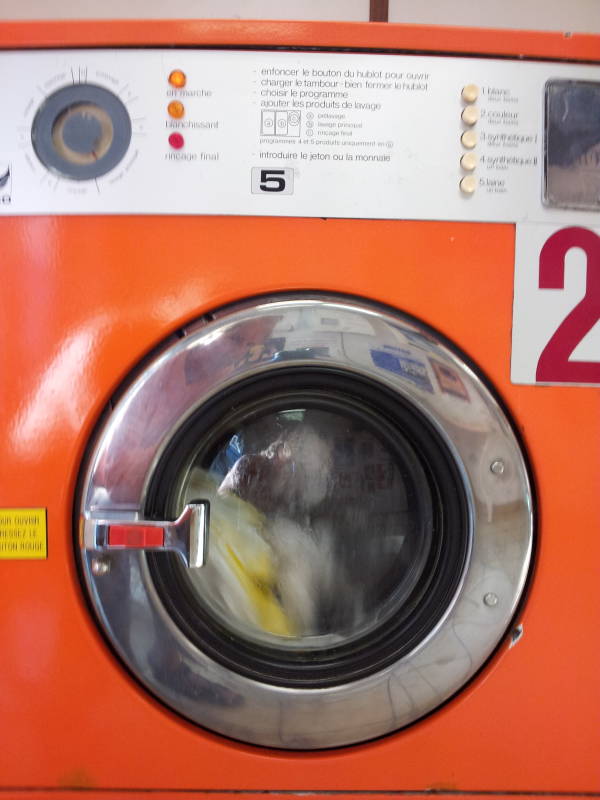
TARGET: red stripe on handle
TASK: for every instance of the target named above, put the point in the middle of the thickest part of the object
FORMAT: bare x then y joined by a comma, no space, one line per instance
135,536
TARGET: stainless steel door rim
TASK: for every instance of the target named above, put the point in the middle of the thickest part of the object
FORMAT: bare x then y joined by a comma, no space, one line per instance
298,335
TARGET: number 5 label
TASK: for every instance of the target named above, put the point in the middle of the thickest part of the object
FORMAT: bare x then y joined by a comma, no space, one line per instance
556,313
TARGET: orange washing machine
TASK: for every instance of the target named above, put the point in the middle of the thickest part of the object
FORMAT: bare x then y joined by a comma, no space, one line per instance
300,413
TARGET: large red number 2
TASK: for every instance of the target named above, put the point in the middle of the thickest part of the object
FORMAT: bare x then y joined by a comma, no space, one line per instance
554,364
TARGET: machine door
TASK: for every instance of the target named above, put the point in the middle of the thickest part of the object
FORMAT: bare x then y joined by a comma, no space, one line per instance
305,523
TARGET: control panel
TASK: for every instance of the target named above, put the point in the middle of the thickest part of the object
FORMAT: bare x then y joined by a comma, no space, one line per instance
296,134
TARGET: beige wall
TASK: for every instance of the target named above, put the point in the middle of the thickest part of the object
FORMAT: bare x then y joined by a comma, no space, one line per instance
353,10
563,15
545,15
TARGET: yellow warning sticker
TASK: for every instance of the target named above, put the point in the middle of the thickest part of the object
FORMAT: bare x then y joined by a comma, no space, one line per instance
23,533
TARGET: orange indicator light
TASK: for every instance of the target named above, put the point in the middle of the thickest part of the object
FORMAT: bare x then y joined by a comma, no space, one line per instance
177,79
176,109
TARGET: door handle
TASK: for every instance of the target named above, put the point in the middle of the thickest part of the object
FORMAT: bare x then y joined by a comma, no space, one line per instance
187,535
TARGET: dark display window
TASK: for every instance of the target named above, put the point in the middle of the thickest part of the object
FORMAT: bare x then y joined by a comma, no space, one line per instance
572,145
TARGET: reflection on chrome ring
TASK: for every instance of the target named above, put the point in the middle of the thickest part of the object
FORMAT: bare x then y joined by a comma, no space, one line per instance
392,352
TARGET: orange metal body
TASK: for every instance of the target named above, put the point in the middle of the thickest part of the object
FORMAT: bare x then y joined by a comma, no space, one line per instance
84,298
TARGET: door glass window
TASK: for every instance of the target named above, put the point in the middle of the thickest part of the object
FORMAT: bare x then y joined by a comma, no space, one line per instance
320,527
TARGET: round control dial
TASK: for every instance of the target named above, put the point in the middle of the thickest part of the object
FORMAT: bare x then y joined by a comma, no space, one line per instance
81,132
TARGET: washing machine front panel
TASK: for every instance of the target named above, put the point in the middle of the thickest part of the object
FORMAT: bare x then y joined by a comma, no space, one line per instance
293,133
119,287
69,419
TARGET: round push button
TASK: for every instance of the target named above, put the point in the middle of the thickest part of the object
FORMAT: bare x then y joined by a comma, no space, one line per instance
468,161
470,93
470,115
468,184
469,139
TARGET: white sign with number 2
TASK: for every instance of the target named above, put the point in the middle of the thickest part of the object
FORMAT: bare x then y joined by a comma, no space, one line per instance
556,311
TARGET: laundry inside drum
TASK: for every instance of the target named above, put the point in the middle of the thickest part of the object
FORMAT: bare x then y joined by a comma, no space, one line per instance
320,526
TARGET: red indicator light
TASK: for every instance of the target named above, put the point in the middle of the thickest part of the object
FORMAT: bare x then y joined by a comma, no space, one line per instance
135,536
176,141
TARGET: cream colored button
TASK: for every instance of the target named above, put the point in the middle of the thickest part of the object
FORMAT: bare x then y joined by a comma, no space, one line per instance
468,184
470,93
469,161
469,139
470,115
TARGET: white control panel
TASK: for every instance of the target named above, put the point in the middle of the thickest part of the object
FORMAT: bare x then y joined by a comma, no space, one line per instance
276,133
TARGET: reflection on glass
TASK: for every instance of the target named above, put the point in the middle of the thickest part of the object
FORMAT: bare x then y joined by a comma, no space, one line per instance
573,144
318,530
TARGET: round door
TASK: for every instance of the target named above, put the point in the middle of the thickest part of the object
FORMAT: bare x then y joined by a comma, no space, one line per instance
305,523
